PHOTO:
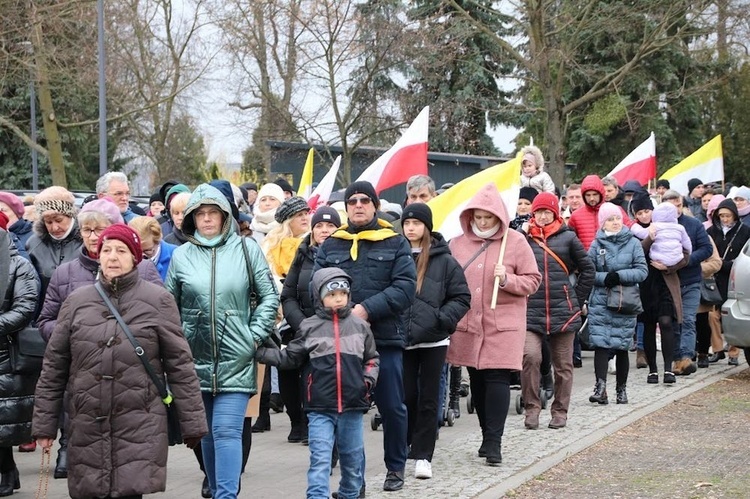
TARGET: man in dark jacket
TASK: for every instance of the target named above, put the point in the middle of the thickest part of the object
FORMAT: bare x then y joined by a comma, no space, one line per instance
693,198
384,286
690,287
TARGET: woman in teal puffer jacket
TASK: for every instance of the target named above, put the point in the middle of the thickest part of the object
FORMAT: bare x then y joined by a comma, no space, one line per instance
209,278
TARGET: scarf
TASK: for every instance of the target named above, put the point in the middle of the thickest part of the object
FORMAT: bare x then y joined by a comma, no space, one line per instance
543,232
384,232
743,212
727,228
155,258
487,233
264,222
206,241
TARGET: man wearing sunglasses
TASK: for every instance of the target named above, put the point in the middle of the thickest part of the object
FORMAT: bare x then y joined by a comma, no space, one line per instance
384,283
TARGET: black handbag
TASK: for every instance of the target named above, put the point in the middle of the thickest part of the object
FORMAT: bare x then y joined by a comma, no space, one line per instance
26,351
624,299
174,433
710,294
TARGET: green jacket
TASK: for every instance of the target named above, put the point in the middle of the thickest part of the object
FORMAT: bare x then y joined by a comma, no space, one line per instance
210,284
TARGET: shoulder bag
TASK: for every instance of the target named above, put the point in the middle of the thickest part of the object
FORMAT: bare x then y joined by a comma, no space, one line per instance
173,423
710,294
26,348
624,299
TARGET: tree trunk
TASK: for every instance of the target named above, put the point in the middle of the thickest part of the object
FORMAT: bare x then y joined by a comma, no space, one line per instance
49,119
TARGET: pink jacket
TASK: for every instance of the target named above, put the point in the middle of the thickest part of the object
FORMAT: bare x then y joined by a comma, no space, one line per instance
486,338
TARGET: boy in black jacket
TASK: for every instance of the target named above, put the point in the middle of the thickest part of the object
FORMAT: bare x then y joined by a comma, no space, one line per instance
340,369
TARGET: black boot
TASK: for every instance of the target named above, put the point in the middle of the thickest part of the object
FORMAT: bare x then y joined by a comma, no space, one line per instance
247,440
622,395
205,489
494,454
548,384
263,422
600,393
8,482
455,391
61,466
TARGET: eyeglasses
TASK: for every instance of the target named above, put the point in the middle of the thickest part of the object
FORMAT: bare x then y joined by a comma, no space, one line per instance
86,232
120,194
362,201
334,285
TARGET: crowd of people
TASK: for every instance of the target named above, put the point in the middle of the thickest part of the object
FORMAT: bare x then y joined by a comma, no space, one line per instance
238,300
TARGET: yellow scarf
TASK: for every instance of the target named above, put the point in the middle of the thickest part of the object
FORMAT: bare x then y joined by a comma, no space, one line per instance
366,235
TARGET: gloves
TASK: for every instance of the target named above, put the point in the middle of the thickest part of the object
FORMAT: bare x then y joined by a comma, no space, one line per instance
612,279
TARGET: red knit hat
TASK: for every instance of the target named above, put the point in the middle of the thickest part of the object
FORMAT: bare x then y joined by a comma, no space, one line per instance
126,235
4,221
546,201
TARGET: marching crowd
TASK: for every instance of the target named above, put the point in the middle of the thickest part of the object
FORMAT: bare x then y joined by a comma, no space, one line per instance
240,301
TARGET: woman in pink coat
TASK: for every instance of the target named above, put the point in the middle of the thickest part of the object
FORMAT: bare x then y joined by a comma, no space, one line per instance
490,342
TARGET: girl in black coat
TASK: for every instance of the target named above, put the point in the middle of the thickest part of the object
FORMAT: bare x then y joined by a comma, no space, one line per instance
442,299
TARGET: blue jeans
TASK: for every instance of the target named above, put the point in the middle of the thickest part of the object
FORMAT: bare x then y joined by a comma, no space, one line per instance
347,428
222,447
691,298
389,397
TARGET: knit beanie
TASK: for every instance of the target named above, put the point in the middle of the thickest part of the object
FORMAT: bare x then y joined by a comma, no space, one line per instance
126,235
662,183
291,207
632,186
527,193
693,183
641,201
335,284
272,190
55,199
362,187
4,221
325,214
742,192
155,197
13,202
106,207
546,201
607,210
418,211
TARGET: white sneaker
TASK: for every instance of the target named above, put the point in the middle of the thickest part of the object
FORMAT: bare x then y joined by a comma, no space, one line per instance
612,366
423,469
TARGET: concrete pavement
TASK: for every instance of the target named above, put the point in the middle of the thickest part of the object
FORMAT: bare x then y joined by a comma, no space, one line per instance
277,468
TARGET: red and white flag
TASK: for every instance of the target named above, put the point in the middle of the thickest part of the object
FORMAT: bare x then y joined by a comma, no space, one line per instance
639,165
407,157
322,192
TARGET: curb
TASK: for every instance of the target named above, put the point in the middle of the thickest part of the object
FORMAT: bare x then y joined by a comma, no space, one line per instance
547,462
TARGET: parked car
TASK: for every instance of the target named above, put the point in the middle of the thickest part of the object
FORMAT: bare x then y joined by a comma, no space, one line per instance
735,312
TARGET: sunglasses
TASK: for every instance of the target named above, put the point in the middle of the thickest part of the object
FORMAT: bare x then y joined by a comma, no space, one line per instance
362,201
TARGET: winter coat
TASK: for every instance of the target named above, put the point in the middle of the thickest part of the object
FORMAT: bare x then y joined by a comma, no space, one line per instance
176,237
383,276
5,241
653,304
165,256
695,205
211,286
585,220
16,312
486,338
621,253
556,305
702,249
21,232
295,295
443,300
709,267
337,350
728,245
47,253
542,182
117,442
72,275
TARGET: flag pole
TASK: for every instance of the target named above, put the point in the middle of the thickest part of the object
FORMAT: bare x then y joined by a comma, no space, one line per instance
499,262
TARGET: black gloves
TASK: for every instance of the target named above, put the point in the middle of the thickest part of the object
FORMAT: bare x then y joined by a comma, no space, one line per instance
612,279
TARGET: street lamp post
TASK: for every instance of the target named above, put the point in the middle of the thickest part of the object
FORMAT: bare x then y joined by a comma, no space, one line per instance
102,91
34,153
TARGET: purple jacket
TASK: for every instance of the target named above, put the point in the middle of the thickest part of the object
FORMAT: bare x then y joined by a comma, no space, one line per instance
75,274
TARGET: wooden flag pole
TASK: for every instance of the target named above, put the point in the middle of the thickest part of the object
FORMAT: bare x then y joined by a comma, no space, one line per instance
499,261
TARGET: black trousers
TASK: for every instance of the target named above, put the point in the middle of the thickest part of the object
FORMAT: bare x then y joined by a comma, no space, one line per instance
290,387
422,370
490,391
7,463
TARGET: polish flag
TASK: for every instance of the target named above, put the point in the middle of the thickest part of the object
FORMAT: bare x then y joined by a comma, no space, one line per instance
322,192
639,165
407,157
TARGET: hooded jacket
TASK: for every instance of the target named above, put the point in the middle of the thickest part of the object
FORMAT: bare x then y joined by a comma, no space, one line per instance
584,220
337,350
728,245
22,231
383,276
671,237
443,300
16,312
47,253
118,425
73,275
621,253
211,286
486,338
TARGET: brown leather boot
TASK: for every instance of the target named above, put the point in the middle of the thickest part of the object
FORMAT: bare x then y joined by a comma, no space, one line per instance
640,360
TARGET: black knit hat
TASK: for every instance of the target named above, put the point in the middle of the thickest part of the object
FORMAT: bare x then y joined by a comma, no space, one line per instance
326,214
527,193
662,183
641,201
418,211
285,186
155,197
693,183
362,187
290,207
